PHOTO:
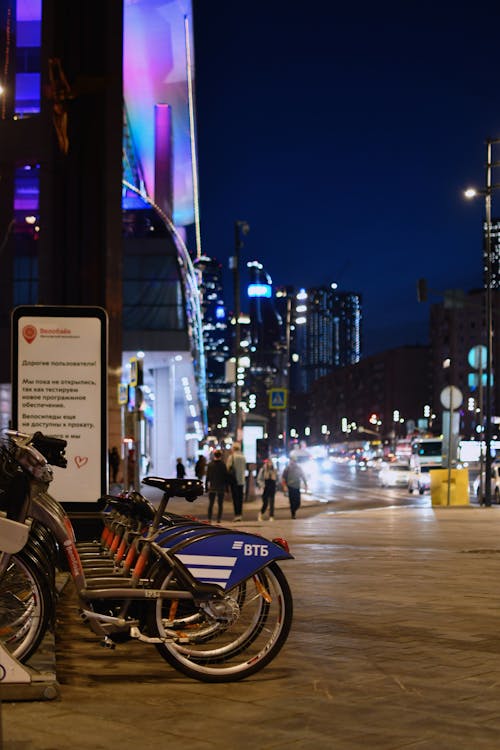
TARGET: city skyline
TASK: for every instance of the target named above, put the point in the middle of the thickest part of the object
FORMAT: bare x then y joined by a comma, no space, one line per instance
345,139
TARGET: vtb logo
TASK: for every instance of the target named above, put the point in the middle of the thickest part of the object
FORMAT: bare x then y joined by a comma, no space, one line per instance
30,333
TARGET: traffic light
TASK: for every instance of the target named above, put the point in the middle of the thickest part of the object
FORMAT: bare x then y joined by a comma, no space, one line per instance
422,290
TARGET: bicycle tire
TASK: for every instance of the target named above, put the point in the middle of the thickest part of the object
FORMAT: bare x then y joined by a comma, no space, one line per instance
27,603
201,647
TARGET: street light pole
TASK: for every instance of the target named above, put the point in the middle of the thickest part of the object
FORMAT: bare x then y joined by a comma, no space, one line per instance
487,192
489,330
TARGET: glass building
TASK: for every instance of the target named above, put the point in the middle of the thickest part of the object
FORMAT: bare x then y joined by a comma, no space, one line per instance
99,195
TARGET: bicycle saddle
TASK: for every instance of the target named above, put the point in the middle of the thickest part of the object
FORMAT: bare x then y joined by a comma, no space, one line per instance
189,489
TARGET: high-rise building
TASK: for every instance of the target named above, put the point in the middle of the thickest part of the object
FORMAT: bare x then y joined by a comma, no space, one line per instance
495,255
332,331
215,336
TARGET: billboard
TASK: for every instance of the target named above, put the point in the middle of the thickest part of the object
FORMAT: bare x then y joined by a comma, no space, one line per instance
59,362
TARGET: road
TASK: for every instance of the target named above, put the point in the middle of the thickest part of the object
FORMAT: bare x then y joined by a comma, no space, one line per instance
350,488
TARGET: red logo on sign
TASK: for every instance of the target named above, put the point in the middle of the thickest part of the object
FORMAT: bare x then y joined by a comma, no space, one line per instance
80,461
29,333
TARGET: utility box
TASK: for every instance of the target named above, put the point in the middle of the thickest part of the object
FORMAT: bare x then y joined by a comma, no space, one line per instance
449,487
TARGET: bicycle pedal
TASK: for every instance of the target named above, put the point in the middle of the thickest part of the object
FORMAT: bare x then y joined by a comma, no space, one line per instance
108,643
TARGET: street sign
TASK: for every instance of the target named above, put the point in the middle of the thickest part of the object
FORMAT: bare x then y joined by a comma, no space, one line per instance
122,393
477,357
451,397
278,398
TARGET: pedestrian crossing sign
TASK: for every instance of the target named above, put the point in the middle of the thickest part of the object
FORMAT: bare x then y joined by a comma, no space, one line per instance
278,398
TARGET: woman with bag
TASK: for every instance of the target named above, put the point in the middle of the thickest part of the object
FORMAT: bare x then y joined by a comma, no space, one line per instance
267,476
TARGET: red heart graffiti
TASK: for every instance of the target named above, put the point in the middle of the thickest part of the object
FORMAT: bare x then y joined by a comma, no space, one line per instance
81,461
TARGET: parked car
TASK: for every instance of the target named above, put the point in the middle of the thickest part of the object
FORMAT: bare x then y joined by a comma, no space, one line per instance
420,480
394,475
495,484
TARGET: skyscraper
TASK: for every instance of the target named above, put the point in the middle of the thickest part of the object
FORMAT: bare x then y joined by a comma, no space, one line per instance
215,335
495,255
332,333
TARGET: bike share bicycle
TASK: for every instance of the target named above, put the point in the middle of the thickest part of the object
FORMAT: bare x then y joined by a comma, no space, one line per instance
213,601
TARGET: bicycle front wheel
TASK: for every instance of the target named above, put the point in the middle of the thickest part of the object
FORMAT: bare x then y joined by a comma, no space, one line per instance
26,605
226,640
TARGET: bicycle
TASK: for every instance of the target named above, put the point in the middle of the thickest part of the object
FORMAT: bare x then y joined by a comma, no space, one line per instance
213,601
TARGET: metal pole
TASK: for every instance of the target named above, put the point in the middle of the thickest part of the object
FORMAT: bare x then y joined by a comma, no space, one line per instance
237,330
287,370
489,329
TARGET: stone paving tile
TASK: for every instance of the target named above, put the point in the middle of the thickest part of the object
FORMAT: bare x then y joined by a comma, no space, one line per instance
394,646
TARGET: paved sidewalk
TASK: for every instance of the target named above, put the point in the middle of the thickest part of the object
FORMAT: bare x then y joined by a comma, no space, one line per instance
395,646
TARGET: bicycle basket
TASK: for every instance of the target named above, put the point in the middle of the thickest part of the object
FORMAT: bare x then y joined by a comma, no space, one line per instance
14,484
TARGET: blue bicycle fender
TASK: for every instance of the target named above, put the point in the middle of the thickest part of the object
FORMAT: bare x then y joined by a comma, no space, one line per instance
228,557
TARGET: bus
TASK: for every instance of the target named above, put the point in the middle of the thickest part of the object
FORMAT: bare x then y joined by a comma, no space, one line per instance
426,452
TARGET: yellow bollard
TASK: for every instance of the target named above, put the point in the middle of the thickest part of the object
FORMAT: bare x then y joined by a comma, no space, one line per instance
449,486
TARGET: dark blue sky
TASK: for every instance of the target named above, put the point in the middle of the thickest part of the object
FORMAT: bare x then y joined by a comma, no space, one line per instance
344,136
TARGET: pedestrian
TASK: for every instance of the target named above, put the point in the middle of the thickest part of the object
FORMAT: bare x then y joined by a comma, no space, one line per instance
267,477
180,469
236,467
114,463
292,478
216,484
200,468
131,467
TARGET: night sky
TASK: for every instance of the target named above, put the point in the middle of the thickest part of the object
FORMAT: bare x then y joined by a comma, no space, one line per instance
345,136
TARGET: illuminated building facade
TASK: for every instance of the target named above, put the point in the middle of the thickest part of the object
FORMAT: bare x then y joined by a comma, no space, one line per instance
98,187
332,336
495,254
215,338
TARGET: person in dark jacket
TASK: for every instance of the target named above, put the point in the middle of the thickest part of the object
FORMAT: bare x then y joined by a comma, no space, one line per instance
216,482
180,469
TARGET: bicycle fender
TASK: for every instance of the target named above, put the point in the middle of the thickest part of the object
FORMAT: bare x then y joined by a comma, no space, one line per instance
227,558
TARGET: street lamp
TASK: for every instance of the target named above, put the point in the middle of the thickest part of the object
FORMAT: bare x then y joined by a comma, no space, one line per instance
471,193
240,228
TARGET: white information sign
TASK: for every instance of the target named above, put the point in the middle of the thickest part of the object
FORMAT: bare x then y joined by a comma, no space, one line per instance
60,387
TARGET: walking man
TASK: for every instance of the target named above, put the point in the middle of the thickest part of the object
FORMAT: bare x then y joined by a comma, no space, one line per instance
236,467
215,484
292,478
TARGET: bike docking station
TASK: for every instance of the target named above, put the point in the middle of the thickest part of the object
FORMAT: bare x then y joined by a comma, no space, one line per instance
20,682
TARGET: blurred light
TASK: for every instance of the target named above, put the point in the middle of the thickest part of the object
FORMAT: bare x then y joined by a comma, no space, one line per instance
301,320
302,294
30,219
140,355
301,308
470,192
220,313
295,357
259,290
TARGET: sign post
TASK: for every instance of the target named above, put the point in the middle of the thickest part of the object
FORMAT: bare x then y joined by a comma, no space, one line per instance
59,383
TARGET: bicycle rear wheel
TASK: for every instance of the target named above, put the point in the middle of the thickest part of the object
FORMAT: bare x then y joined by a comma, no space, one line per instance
227,640
27,601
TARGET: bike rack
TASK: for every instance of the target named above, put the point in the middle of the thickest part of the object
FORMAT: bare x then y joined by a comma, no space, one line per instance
19,682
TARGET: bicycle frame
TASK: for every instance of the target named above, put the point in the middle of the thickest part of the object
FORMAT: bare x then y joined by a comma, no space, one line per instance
206,560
